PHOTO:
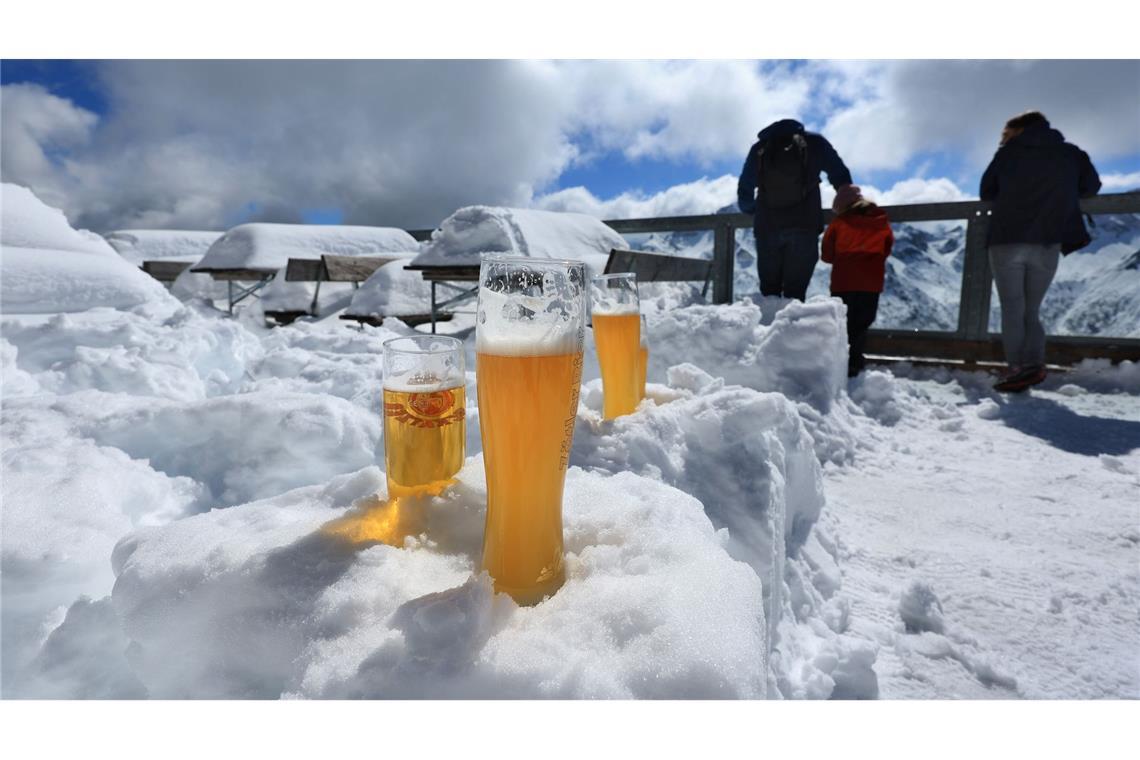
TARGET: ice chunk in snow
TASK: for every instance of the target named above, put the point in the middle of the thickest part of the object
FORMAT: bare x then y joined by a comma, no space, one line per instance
470,232
259,601
46,266
920,609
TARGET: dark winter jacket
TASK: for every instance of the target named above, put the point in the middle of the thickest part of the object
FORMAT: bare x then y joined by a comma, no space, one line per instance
808,215
1036,181
857,246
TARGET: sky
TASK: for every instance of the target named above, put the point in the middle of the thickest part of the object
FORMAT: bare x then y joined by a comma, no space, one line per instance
210,144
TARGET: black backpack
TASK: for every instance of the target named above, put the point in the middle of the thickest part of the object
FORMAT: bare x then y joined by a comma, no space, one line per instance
783,169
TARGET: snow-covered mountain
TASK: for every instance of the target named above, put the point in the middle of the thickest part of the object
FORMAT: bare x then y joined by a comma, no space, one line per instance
1096,290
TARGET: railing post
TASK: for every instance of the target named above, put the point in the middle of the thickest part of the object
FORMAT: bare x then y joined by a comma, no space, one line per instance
974,305
724,261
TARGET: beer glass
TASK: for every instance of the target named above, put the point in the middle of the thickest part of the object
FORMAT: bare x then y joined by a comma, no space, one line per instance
424,409
529,334
643,355
615,311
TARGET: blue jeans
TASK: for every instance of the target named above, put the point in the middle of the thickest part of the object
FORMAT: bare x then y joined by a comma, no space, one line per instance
785,261
1022,273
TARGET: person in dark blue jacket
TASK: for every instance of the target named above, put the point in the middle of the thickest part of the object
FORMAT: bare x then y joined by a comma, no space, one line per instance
779,184
1035,181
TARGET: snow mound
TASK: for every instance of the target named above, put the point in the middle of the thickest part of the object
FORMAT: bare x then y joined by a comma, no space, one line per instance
470,232
392,291
46,266
268,599
137,246
920,609
801,354
268,247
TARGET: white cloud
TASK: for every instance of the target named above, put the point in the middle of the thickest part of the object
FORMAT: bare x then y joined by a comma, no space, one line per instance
193,143
901,108
33,125
1120,183
704,196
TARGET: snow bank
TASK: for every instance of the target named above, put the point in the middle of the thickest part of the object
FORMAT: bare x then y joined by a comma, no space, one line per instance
46,266
268,247
470,232
259,601
801,354
137,246
749,459
392,290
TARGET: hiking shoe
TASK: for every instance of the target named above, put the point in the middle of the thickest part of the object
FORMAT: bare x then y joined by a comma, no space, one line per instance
1016,380
1035,375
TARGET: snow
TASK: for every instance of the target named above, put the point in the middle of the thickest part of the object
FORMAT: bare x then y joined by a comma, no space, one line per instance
268,247
137,246
259,601
470,232
392,290
48,267
178,481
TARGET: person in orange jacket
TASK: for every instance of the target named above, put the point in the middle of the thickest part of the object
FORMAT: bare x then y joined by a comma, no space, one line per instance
857,244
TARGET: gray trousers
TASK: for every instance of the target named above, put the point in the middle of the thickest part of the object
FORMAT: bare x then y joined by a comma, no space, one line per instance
1022,273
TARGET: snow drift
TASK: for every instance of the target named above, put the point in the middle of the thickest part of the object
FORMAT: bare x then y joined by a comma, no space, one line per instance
268,247
261,600
392,291
48,267
137,246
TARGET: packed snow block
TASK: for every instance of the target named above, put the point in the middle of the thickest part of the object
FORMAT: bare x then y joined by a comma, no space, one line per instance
392,291
264,600
465,236
801,354
46,266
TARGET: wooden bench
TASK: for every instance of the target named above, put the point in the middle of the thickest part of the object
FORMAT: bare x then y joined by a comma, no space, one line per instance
165,271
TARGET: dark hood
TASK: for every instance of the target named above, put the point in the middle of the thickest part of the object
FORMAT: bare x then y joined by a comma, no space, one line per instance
781,128
1039,134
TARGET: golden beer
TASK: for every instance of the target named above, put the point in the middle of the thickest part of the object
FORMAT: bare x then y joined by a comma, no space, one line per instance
619,346
526,449
424,436
643,366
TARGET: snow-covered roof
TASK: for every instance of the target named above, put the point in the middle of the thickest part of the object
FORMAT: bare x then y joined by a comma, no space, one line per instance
392,291
470,232
46,266
268,247
137,246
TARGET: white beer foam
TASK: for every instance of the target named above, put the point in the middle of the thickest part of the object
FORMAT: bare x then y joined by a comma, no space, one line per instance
425,383
616,310
539,343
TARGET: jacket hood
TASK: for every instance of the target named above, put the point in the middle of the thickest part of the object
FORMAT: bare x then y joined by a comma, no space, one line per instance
780,128
1039,134
874,219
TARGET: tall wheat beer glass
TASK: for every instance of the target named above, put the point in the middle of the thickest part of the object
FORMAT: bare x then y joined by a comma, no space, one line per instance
424,408
528,342
643,355
616,314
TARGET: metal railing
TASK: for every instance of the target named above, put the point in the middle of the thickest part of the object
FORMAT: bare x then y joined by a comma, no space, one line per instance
972,339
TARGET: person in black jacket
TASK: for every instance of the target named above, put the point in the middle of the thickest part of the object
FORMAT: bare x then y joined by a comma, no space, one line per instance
779,184
1035,181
